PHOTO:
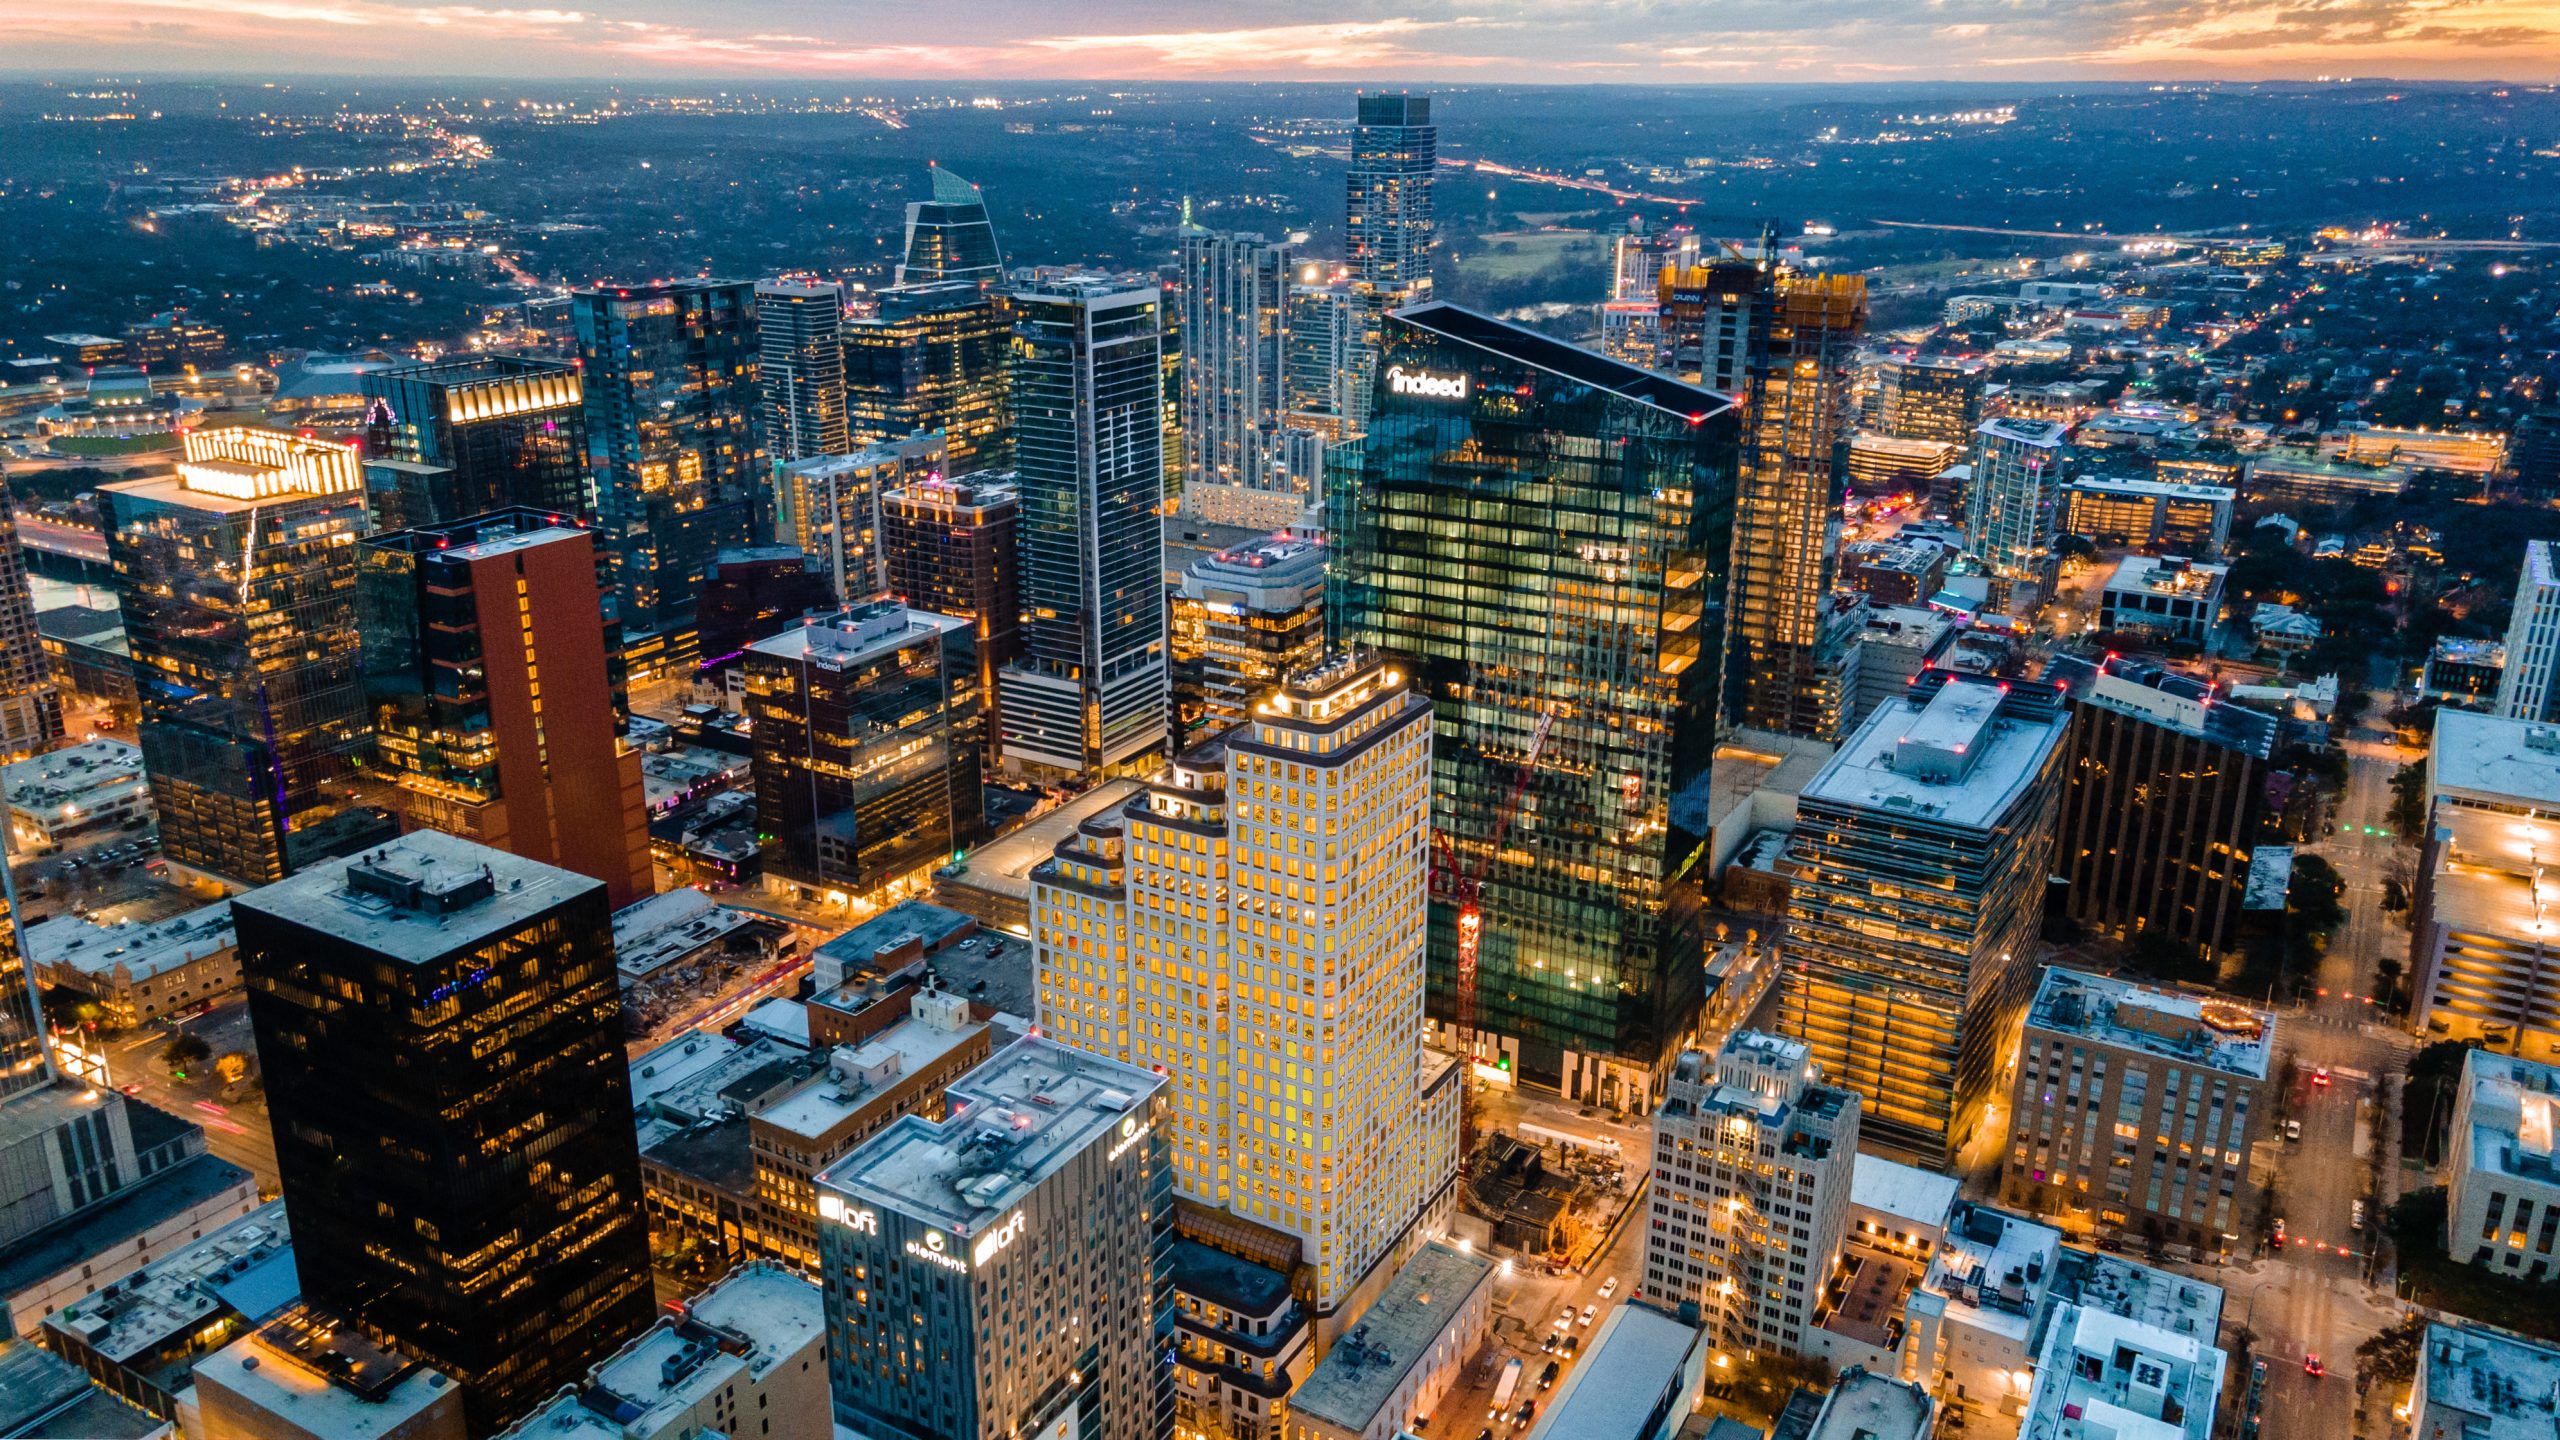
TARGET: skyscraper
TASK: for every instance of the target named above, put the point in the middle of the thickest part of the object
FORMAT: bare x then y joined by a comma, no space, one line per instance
1714,319
2009,505
951,548
931,358
1235,322
1244,619
449,439
1325,331
1389,226
237,577
1790,650
867,745
1917,870
1540,535
830,507
2529,688
30,705
441,1028
1006,1271
493,697
1938,400
671,444
800,369
1272,883
1089,692
949,236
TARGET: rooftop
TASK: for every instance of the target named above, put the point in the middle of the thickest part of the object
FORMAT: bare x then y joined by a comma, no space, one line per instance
1360,1373
143,949
2163,697
1868,1406
243,1269
858,1075
2508,764
2165,575
324,1378
1634,1359
1905,1192
2206,1030
2175,490
1994,1268
2512,1108
867,945
856,634
2503,1384
420,897
1223,1279
753,1319
665,928
143,1206
72,775
1014,1121
2103,1376
1587,367
42,1394
1003,866
1965,757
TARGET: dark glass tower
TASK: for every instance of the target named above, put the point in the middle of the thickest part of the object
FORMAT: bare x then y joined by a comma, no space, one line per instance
30,704
474,434
1542,533
238,580
1087,378
801,369
671,397
949,236
441,1027
931,358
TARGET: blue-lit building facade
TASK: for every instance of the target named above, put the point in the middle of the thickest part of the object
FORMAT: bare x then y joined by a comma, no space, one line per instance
1544,534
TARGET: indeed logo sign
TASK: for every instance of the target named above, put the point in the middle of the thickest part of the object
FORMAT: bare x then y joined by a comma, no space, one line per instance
1425,384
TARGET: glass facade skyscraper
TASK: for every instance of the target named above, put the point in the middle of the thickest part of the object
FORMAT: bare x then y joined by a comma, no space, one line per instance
1235,325
237,578
1542,534
1389,225
800,370
931,359
1091,690
671,443
2009,504
30,704
450,439
441,1027
949,236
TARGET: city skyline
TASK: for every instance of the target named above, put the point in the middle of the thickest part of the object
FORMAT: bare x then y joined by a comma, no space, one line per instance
1508,41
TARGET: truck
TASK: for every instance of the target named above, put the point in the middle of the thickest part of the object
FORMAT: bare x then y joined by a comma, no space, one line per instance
1509,1382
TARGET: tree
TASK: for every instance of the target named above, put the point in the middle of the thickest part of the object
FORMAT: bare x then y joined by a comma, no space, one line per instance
2416,1224
2389,1360
231,1068
2426,1101
184,1052
2315,893
2409,801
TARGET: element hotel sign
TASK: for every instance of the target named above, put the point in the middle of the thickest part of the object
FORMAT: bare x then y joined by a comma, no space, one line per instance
1425,384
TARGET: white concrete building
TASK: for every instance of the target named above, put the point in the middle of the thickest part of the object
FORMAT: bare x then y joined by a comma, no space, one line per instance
1252,926
2502,1186
138,971
745,1358
74,791
2481,932
1750,1203
2530,687
305,1376
2474,1383
2104,1374
2163,597
1404,1355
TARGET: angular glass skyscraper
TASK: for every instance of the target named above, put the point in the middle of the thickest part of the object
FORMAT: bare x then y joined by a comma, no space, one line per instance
671,443
1087,376
449,439
949,236
1543,534
931,359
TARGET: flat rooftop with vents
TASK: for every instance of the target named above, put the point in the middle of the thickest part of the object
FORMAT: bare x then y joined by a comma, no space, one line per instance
1368,1365
2201,1030
420,897
1963,755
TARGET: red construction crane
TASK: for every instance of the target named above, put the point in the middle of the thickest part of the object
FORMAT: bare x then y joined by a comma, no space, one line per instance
1462,887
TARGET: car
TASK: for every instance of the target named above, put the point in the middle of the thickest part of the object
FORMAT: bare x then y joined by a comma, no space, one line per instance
2319,1074
2293,1129
2279,1229
1485,1434
1528,1412
1609,1287
1547,1346
1565,1320
2355,1215
2312,1367
1590,1313
970,944
133,1089
1547,1377
1572,1346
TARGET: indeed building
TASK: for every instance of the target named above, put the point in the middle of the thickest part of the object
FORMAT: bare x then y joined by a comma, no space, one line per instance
1006,1273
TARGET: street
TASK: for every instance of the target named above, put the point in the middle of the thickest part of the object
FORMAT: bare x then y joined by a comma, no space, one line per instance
236,1130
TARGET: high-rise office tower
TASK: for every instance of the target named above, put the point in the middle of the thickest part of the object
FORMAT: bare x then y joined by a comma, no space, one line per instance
931,358
1938,400
30,704
867,745
800,369
2163,800
238,580
1007,1271
1750,1202
754,592
1917,868
1714,319
1243,619
492,690
830,507
1540,534
951,548
949,236
1790,648
2529,688
1273,884
1089,692
449,439
1390,228
441,1028
671,444
1235,323
2009,504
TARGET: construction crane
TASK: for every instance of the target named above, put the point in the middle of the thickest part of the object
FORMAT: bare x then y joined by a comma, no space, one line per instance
1464,888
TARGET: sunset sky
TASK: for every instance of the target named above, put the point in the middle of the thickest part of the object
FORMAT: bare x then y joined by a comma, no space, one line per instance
1338,40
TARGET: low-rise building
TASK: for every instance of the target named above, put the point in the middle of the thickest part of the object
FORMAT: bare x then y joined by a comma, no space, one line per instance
43,1395
1895,572
1639,1380
1242,1344
1867,1406
139,971
2475,1383
1407,1351
676,928
77,790
2169,599
896,938
142,1336
2101,1373
2134,1108
306,1375
2463,673
746,1357
2153,516
2502,1181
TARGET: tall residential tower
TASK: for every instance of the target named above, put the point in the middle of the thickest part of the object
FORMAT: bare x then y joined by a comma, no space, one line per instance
800,369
